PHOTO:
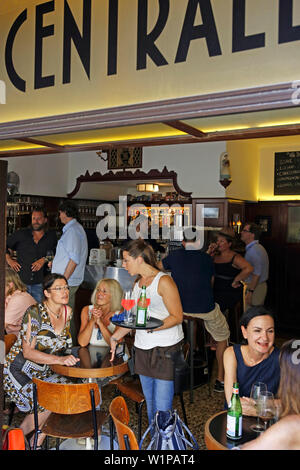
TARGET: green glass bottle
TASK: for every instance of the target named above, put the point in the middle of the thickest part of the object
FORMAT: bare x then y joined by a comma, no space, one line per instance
141,314
234,415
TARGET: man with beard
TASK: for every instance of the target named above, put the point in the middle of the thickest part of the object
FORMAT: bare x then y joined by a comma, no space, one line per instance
32,245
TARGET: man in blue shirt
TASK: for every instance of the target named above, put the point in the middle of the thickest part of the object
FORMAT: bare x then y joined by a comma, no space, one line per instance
256,255
193,273
71,254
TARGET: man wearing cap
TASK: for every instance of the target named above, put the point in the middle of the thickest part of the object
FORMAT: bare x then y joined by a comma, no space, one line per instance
256,283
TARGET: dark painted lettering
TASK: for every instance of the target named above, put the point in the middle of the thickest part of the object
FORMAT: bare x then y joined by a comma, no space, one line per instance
287,32
112,37
240,42
81,42
145,42
42,32
190,32
14,77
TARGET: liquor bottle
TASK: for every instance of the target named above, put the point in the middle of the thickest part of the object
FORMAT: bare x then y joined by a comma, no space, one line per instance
234,415
141,313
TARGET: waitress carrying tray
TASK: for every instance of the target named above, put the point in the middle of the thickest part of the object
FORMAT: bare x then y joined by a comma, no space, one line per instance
151,324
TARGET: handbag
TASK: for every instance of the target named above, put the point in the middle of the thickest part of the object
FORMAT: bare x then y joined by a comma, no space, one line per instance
13,439
169,432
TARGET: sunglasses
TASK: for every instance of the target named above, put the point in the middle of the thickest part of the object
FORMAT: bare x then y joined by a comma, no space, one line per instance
60,289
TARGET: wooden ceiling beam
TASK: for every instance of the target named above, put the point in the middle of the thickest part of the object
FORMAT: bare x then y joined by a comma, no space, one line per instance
242,134
30,140
181,126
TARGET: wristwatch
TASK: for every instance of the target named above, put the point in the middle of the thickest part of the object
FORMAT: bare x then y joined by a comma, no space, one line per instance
250,290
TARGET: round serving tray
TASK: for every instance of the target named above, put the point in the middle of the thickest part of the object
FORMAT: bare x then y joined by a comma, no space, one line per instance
151,324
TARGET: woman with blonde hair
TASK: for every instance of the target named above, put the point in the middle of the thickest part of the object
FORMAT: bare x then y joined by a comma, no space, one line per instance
17,301
96,328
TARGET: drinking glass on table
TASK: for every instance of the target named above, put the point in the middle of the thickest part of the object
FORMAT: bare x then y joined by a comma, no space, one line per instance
266,407
256,390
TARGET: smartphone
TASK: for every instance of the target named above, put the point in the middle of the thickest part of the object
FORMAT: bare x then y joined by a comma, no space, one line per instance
120,350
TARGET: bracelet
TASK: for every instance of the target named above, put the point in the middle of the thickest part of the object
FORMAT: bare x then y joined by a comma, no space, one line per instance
250,290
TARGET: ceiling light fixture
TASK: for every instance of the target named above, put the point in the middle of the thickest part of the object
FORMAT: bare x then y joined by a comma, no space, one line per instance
147,188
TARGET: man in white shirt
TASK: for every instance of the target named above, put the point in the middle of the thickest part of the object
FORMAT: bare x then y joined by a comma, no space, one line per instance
256,255
71,254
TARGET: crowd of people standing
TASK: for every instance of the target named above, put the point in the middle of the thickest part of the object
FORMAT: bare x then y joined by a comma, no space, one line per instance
220,286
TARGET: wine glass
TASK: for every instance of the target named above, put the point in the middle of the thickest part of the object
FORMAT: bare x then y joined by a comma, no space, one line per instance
266,407
49,257
256,390
148,309
128,303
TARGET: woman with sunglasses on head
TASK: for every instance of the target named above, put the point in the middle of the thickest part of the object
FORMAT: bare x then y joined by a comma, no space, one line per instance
43,339
153,349
96,328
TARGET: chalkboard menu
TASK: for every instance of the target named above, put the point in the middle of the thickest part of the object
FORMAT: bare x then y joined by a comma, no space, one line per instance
287,173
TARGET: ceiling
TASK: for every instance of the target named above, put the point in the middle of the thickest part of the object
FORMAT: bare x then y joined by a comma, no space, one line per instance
235,126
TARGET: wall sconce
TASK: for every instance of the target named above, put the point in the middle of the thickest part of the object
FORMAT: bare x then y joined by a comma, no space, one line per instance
236,223
148,188
225,174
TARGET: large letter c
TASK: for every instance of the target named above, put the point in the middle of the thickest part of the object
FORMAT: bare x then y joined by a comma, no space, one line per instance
16,80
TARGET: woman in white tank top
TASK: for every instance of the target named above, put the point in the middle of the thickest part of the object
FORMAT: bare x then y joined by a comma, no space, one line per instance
153,348
96,328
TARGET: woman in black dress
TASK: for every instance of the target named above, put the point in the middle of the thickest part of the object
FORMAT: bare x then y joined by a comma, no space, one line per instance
230,269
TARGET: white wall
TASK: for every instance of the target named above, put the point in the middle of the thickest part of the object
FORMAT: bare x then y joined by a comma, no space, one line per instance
197,166
45,175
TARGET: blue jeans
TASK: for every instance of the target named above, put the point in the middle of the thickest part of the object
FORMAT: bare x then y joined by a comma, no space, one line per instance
36,290
158,394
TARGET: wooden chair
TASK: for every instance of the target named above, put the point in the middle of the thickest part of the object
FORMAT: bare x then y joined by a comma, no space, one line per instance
9,341
64,400
132,389
120,416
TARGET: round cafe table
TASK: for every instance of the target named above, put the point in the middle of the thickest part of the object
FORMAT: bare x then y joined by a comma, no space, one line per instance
94,363
215,432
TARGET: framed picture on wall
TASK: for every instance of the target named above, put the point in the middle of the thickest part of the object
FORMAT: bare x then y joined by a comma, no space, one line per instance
265,223
127,157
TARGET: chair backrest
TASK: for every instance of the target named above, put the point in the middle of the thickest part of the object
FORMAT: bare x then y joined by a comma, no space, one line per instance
66,398
120,415
9,341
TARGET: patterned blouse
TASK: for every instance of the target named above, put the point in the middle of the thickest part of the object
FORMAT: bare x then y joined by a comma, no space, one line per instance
19,371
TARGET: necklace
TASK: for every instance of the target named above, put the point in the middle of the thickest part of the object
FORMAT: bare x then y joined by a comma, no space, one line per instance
57,315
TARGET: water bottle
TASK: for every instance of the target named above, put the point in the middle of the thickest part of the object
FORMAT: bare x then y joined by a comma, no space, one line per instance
234,415
141,314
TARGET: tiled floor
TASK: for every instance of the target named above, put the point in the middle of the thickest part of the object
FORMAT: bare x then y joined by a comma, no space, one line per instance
198,412
203,406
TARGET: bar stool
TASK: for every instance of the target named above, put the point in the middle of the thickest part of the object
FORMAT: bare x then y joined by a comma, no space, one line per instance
190,320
